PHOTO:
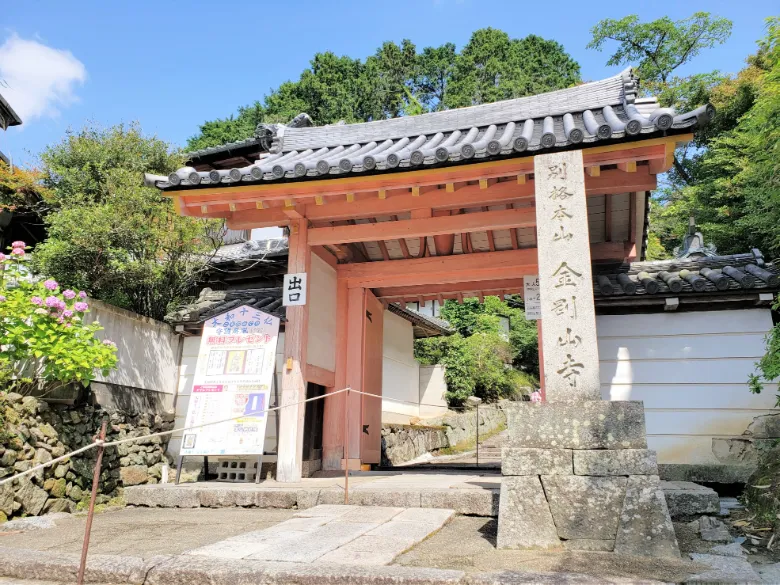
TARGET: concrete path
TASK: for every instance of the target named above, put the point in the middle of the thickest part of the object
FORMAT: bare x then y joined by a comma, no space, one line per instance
347,535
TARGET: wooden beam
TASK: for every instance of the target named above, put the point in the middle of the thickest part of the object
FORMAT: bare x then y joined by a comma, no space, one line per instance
393,230
610,181
490,237
325,255
448,289
258,218
441,269
381,243
513,233
628,166
661,165
321,376
594,171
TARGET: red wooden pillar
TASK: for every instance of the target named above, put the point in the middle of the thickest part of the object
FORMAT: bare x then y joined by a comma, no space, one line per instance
333,429
291,418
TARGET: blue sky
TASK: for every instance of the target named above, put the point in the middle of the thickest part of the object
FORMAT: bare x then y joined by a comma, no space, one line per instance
171,65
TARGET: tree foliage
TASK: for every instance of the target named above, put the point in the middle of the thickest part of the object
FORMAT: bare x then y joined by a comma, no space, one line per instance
398,80
661,46
111,236
732,185
481,359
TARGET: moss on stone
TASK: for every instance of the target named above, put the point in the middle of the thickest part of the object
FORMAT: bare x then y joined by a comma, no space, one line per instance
762,491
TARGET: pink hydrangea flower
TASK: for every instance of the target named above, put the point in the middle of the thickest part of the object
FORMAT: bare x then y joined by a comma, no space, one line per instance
82,294
69,294
109,343
2,298
17,252
536,396
54,303
3,257
36,301
68,324
17,244
80,307
67,313
51,284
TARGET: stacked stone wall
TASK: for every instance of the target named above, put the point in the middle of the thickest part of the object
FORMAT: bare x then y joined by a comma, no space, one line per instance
402,443
33,431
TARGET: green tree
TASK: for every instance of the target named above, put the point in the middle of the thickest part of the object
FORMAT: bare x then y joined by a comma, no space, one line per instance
492,66
397,80
482,358
731,185
661,46
658,49
111,236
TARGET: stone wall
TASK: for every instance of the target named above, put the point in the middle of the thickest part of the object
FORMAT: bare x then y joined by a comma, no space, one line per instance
33,432
402,443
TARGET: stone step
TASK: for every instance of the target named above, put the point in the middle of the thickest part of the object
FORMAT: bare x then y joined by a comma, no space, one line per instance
684,499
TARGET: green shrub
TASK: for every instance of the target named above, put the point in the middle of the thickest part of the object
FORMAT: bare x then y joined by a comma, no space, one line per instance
44,341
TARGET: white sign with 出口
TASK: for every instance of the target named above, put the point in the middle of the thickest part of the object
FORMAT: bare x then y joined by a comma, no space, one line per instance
232,383
533,302
294,290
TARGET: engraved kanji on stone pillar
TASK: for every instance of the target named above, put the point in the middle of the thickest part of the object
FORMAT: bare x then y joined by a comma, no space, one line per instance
571,359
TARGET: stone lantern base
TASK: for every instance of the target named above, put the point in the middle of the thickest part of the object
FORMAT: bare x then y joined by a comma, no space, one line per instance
578,475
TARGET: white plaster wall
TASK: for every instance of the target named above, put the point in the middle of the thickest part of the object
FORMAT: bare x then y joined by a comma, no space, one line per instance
691,371
189,360
432,389
321,346
400,371
147,350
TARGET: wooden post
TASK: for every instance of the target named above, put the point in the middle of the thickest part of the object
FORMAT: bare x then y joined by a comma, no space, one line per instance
91,512
333,429
290,451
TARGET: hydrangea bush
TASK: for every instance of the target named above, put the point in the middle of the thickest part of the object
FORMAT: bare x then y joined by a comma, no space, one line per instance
44,341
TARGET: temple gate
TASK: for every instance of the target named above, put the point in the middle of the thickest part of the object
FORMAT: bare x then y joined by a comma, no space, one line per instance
444,205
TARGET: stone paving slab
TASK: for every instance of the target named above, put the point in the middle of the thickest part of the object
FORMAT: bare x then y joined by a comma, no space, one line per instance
337,534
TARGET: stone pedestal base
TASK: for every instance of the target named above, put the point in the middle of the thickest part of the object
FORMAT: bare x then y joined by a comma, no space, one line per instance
580,476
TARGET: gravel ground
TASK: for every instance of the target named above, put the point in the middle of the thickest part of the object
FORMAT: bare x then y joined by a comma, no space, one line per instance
468,544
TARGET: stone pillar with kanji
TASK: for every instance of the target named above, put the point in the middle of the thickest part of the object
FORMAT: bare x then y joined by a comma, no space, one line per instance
577,473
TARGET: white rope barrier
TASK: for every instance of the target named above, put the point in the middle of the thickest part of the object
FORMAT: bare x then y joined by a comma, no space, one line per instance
98,442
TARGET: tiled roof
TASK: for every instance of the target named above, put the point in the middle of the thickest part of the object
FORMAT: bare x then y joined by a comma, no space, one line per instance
424,325
7,115
269,300
215,302
600,111
704,275
270,251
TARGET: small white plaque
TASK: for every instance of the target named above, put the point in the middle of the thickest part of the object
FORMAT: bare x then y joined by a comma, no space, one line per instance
533,302
294,292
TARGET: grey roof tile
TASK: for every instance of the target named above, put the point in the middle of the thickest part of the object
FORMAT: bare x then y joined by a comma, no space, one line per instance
597,111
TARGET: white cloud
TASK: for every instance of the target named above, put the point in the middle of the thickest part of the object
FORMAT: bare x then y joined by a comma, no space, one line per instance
40,80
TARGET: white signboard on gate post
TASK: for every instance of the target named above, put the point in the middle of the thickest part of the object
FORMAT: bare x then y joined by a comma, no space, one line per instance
233,379
294,290
531,298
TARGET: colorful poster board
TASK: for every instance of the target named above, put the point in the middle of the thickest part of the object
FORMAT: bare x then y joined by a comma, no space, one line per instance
233,378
